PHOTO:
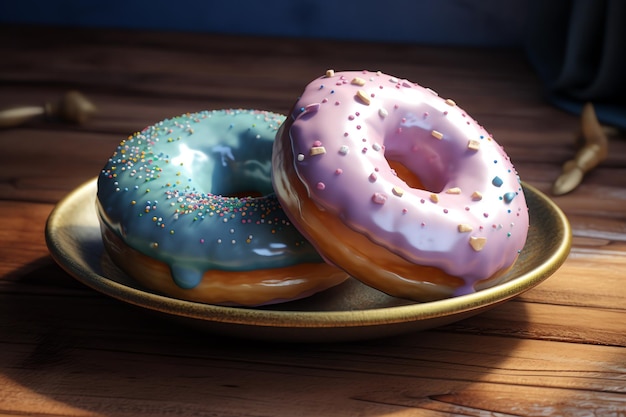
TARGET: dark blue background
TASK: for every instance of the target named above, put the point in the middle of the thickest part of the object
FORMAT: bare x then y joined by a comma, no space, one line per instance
441,22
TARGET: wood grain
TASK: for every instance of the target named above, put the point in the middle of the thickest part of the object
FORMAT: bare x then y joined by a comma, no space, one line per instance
65,350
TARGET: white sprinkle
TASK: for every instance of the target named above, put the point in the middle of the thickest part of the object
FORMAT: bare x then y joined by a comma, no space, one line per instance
383,112
473,144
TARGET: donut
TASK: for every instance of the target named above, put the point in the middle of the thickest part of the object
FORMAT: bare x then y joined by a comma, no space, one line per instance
187,209
399,187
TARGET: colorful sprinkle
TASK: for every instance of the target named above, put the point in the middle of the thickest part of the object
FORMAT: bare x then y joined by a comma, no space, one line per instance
317,150
379,198
436,134
477,243
508,197
397,191
362,95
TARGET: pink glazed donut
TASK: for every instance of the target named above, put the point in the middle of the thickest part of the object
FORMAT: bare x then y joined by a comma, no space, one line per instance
399,187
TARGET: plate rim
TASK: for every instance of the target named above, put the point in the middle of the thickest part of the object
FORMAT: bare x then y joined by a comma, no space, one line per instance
304,319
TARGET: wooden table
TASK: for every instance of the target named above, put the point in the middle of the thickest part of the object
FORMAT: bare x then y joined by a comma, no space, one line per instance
66,350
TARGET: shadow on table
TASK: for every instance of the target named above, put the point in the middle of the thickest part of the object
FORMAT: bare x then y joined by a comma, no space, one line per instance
87,351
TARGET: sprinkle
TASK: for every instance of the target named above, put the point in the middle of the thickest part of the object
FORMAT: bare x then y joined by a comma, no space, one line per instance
344,150
508,197
434,198
376,147
358,81
473,144
436,134
373,177
393,80
477,196
497,181
382,112
317,150
300,157
379,198
450,102
397,191
330,73
309,108
320,186
477,243
362,95
454,190
464,228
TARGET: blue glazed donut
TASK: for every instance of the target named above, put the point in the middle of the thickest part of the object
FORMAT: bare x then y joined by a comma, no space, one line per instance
187,208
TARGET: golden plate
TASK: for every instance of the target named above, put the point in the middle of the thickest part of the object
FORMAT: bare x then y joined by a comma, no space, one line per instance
350,311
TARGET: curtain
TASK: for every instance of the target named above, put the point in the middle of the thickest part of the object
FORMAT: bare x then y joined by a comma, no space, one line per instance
578,48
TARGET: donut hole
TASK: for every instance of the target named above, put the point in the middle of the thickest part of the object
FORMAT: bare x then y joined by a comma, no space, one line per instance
422,163
406,175
236,171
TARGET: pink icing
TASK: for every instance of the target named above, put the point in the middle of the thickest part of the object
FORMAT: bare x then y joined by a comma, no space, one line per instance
348,126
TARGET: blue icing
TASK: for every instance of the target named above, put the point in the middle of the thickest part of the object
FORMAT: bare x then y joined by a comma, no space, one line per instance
186,277
173,192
